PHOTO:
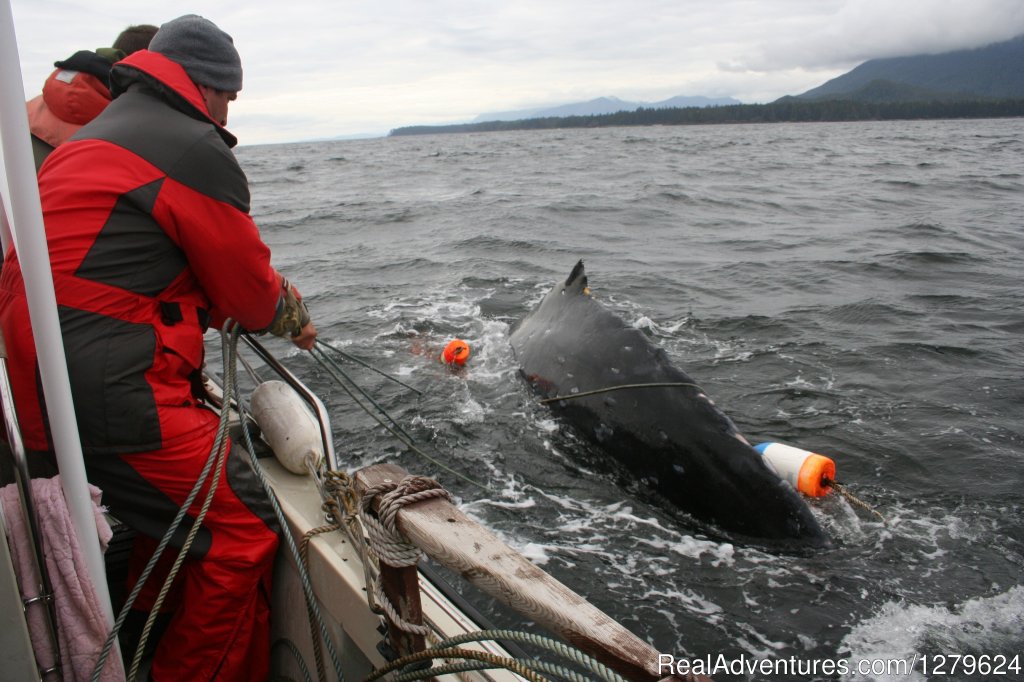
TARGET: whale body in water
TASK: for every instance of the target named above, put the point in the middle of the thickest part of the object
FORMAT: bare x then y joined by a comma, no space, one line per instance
621,391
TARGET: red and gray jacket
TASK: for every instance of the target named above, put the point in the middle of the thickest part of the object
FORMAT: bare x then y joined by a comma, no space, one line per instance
150,239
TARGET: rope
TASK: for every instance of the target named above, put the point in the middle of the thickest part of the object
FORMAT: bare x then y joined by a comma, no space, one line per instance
297,655
494,661
854,500
218,446
609,389
154,612
307,586
402,437
394,496
367,366
322,357
311,616
552,645
472,659
385,539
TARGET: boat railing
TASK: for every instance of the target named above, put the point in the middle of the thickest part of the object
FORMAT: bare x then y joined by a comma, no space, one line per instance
393,519
314,402
39,594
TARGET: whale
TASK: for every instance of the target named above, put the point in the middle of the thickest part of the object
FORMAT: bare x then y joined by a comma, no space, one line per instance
617,389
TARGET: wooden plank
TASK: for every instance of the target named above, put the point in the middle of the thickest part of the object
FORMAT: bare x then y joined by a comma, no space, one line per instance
454,540
402,587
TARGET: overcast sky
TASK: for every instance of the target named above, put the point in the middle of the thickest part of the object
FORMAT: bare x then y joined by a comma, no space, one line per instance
326,68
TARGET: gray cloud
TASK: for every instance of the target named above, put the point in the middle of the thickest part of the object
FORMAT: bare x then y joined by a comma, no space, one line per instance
352,67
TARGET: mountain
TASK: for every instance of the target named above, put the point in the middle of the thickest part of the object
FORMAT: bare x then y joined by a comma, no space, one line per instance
602,105
992,72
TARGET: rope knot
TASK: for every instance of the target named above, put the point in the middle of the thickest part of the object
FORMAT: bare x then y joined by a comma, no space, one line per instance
384,538
394,496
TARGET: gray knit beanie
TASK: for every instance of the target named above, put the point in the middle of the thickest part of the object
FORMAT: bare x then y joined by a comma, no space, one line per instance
207,53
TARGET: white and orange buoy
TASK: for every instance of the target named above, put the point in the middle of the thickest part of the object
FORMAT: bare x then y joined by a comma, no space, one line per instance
456,352
810,473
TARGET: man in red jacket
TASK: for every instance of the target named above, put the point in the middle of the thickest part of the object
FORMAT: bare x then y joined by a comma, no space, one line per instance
78,90
150,239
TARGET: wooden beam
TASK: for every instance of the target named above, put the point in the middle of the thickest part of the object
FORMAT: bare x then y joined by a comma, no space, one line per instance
457,542
401,586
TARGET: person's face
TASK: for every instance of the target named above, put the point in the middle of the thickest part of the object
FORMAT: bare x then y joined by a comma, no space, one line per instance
217,102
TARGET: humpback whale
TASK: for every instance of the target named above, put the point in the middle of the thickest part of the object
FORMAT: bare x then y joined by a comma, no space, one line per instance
621,391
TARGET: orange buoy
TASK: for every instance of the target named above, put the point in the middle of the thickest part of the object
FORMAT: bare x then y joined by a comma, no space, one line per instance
810,473
456,352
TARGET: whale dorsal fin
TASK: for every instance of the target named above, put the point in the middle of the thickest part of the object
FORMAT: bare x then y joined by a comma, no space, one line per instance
577,278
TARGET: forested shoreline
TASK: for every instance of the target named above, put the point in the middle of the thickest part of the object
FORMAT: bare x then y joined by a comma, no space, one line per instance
785,110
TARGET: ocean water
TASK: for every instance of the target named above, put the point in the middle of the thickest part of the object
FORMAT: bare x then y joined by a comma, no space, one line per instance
850,288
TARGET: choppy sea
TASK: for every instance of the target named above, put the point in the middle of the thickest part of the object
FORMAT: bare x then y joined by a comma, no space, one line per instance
854,289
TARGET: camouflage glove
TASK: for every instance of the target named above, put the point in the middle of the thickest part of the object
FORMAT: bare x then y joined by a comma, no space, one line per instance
292,315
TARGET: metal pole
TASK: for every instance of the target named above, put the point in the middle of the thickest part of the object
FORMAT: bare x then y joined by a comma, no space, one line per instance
30,243
43,586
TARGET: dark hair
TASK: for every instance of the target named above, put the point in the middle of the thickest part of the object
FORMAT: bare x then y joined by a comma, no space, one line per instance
135,38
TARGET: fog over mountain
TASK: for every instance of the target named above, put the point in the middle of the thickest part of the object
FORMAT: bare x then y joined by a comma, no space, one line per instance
992,72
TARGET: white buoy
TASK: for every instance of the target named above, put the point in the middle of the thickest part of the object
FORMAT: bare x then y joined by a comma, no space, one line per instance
810,473
289,428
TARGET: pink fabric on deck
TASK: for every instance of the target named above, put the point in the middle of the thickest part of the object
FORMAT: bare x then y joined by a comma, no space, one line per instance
81,625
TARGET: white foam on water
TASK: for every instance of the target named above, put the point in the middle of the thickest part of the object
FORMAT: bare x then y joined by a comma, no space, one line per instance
404,370
470,411
536,553
694,603
899,631
719,554
756,644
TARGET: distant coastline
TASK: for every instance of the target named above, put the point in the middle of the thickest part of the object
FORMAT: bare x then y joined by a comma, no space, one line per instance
788,109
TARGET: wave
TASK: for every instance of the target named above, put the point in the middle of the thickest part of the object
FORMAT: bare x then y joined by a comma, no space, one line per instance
854,293
980,627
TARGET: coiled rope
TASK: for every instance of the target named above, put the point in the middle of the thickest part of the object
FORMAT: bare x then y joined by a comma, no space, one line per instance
387,542
531,668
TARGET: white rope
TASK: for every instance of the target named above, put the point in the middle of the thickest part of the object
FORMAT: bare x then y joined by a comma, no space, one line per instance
392,613
392,549
385,539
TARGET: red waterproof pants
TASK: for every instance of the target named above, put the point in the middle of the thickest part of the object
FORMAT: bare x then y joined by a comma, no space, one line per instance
221,625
